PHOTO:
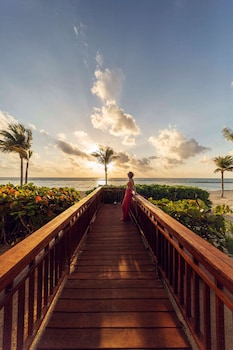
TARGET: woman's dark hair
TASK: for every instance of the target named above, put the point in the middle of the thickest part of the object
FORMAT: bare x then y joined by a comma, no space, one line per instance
130,174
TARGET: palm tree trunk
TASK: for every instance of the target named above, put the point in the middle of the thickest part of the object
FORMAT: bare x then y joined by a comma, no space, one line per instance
106,174
26,173
222,184
21,171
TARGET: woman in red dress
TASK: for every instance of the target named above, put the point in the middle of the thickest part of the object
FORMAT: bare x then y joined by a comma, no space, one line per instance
130,187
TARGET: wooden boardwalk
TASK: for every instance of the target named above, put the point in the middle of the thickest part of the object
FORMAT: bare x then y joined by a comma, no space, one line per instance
114,299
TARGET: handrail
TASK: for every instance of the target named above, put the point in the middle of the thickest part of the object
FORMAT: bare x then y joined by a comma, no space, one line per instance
198,275
32,271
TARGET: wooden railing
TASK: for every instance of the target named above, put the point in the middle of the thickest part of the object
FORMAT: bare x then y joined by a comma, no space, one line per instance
198,276
32,271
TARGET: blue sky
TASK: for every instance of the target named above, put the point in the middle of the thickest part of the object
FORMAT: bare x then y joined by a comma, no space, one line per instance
153,79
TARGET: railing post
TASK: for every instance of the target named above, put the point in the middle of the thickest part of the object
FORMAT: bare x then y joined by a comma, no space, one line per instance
21,313
207,318
220,329
7,326
196,300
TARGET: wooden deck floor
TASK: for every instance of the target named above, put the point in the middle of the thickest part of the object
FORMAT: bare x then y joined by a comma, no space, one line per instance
114,298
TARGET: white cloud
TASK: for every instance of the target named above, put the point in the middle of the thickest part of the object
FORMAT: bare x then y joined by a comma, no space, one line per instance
32,126
173,148
128,141
108,84
206,160
80,134
5,120
75,30
99,59
84,140
111,117
44,132
61,136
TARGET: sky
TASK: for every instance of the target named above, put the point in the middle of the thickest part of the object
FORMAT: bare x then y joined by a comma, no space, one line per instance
152,79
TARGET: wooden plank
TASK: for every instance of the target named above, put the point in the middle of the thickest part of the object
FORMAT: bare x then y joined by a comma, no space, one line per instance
115,267
112,320
144,275
114,338
114,299
123,293
125,283
114,305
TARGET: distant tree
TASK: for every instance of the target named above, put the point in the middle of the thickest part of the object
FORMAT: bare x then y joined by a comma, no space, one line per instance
223,164
228,134
105,155
16,139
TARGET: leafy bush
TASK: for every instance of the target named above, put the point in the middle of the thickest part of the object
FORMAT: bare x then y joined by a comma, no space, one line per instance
25,209
173,193
222,209
229,245
198,217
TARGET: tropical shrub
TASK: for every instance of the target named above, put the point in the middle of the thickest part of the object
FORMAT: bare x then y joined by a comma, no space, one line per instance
25,209
173,193
198,217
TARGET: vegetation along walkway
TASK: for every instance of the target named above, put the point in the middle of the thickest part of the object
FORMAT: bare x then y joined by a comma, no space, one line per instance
114,298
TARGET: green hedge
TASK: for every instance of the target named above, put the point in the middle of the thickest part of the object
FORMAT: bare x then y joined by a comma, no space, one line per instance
173,193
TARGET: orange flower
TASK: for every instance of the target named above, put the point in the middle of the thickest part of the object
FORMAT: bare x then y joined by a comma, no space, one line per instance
38,199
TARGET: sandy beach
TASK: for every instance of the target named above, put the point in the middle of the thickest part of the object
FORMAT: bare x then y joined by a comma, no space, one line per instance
216,198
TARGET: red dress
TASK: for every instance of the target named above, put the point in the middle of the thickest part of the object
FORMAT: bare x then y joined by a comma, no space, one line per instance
127,200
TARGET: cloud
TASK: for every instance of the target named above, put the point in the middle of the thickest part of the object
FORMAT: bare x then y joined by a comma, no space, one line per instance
80,134
123,159
144,162
128,161
6,119
108,83
173,148
70,149
206,160
84,140
128,141
111,117
61,136
44,132
75,30
32,126
99,59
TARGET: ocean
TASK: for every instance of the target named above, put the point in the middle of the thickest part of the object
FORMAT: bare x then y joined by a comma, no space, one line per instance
85,184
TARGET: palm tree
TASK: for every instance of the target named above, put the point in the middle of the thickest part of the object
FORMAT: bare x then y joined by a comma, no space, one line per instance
223,164
16,139
228,134
105,155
